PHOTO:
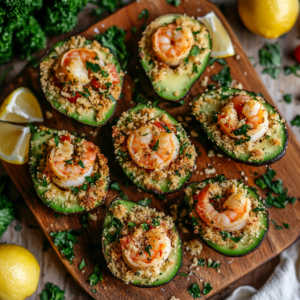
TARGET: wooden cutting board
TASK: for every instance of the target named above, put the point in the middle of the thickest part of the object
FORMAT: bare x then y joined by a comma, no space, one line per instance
288,169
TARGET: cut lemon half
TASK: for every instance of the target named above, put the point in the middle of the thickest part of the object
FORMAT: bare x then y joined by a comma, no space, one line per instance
21,106
14,143
221,42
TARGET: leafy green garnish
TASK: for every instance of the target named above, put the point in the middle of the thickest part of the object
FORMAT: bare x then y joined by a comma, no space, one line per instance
286,225
296,121
115,186
7,212
133,30
145,202
201,262
66,241
242,131
207,288
144,14
223,77
145,226
220,178
156,146
221,61
95,68
225,235
194,291
84,221
96,276
131,224
174,2
256,209
147,249
81,265
214,264
56,139
287,98
183,274
195,51
52,292
81,164
291,70
114,39
270,58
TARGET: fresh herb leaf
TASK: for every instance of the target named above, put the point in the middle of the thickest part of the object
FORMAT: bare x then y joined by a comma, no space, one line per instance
174,2
221,61
220,178
225,235
156,146
131,224
155,222
95,68
81,265
214,264
223,77
195,33
104,73
147,249
31,127
194,291
145,226
287,98
195,51
69,162
115,222
183,274
145,202
56,139
256,209
84,221
207,288
144,14
81,164
270,58
273,72
286,225
201,262
260,183
133,30
96,277
52,292
291,70
183,146
237,239
296,121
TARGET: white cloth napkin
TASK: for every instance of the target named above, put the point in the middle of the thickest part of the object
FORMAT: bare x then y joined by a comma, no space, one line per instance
284,283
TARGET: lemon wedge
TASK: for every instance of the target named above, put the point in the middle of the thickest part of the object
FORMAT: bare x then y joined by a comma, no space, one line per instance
21,106
221,42
14,144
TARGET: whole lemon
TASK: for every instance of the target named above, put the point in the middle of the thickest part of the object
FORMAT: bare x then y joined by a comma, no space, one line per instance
19,272
269,18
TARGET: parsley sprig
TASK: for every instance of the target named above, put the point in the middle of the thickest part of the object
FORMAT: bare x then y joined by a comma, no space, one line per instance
270,58
52,292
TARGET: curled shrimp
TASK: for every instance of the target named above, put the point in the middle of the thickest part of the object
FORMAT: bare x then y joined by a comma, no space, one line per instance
67,167
234,217
172,44
156,250
151,148
244,107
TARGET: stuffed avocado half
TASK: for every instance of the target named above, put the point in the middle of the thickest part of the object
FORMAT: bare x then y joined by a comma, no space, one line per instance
153,149
128,225
227,215
69,174
242,125
174,52
82,80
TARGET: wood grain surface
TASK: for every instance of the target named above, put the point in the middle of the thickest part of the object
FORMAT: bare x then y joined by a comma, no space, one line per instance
90,238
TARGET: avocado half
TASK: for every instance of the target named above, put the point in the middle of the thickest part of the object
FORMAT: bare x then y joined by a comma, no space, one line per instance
123,156
242,249
88,119
176,254
36,153
172,84
272,153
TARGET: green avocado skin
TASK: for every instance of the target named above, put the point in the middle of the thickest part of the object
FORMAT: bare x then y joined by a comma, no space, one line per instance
272,153
88,119
38,138
243,248
164,188
176,255
179,84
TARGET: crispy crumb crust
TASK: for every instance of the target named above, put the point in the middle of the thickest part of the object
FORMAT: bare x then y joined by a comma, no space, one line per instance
88,199
226,143
159,69
113,252
152,181
92,100
212,234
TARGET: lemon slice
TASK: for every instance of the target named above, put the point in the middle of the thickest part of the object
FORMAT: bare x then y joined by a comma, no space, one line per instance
221,42
14,144
21,106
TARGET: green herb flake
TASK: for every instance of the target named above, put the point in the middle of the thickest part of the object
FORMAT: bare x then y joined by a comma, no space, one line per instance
147,249
201,262
96,277
81,265
144,14
174,2
287,98
145,202
223,77
286,225
95,68
133,30
296,121
221,61
183,274
156,146
194,291
52,292
81,164
207,288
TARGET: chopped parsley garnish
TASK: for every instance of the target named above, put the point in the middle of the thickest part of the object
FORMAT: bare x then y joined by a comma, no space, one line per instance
84,221
52,292
195,33
258,209
156,146
96,277
145,226
145,134
215,117
194,221
86,94
166,128
195,69
145,202
115,186
220,178
286,225
194,291
207,288
56,140
92,179
111,97
31,127
221,61
133,30
155,222
69,162
201,262
213,264
260,183
242,131
296,121
147,249
114,39
179,28
174,2
225,235
18,227
104,73
291,70
144,14
95,68
237,239
183,146
7,212
183,274
223,77
66,241
287,98
270,58
115,222
81,164
81,265
195,51
277,227
131,224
